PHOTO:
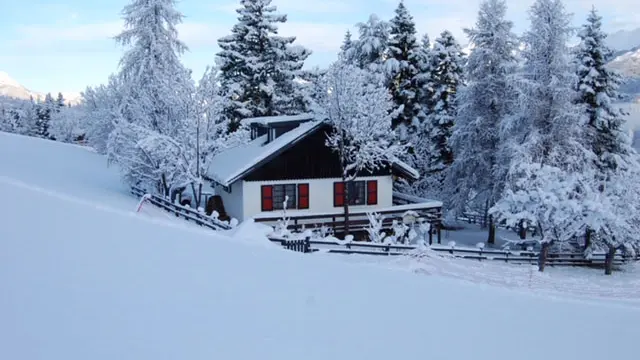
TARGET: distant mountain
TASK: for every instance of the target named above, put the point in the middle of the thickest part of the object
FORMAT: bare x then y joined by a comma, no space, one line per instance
11,88
628,64
624,40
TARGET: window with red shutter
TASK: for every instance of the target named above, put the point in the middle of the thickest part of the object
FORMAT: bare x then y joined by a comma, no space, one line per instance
338,194
372,192
303,196
267,197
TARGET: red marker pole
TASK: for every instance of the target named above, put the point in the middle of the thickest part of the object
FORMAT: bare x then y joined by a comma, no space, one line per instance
142,201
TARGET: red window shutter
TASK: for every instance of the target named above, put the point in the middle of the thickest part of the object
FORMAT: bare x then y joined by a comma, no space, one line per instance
267,197
303,196
338,194
372,192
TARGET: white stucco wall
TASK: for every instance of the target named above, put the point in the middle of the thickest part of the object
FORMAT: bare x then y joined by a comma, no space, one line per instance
232,201
320,196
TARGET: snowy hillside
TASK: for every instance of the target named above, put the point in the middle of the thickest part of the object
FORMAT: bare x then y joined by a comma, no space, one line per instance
84,277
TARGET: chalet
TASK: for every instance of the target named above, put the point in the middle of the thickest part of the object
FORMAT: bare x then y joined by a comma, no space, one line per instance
287,158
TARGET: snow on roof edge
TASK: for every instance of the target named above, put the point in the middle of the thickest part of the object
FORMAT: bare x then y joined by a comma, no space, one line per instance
287,139
405,167
277,119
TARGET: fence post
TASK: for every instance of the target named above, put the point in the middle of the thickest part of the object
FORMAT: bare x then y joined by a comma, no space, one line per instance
307,244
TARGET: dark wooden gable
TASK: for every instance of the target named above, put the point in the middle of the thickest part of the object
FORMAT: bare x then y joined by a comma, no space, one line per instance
310,158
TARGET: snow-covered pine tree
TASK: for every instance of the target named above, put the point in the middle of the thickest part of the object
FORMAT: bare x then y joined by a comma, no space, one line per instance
259,67
43,110
485,103
424,78
598,91
615,160
60,101
157,103
417,154
347,49
370,50
402,67
359,112
544,139
447,61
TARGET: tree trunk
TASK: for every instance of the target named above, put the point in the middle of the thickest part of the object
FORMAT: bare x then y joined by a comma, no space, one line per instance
587,238
197,194
485,217
542,258
608,260
492,231
522,230
166,191
346,206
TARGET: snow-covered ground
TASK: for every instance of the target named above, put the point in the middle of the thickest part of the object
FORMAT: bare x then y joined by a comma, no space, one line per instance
70,171
84,277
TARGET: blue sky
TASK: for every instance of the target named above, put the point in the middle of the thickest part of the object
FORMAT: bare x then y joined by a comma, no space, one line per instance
65,45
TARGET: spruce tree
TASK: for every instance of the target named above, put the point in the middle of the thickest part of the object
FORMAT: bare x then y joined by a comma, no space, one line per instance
447,62
403,66
258,67
424,78
544,139
348,50
43,113
598,90
419,140
614,161
60,101
484,104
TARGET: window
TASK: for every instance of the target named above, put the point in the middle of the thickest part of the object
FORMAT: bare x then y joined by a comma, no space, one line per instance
273,196
279,193
356,193
360,193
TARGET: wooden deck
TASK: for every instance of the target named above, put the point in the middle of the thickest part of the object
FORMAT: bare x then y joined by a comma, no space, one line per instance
430,211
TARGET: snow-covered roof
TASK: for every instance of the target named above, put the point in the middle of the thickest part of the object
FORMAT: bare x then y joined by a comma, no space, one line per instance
266,120
234,163
405,168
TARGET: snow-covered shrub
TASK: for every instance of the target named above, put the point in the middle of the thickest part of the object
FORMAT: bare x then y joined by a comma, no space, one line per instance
374,229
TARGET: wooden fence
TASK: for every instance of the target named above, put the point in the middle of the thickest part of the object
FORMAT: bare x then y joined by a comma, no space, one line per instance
309,245
185,212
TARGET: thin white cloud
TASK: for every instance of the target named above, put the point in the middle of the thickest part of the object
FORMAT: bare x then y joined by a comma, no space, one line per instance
38,35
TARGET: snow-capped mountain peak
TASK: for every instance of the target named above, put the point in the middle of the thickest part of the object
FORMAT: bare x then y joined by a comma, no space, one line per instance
7,80
11,88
